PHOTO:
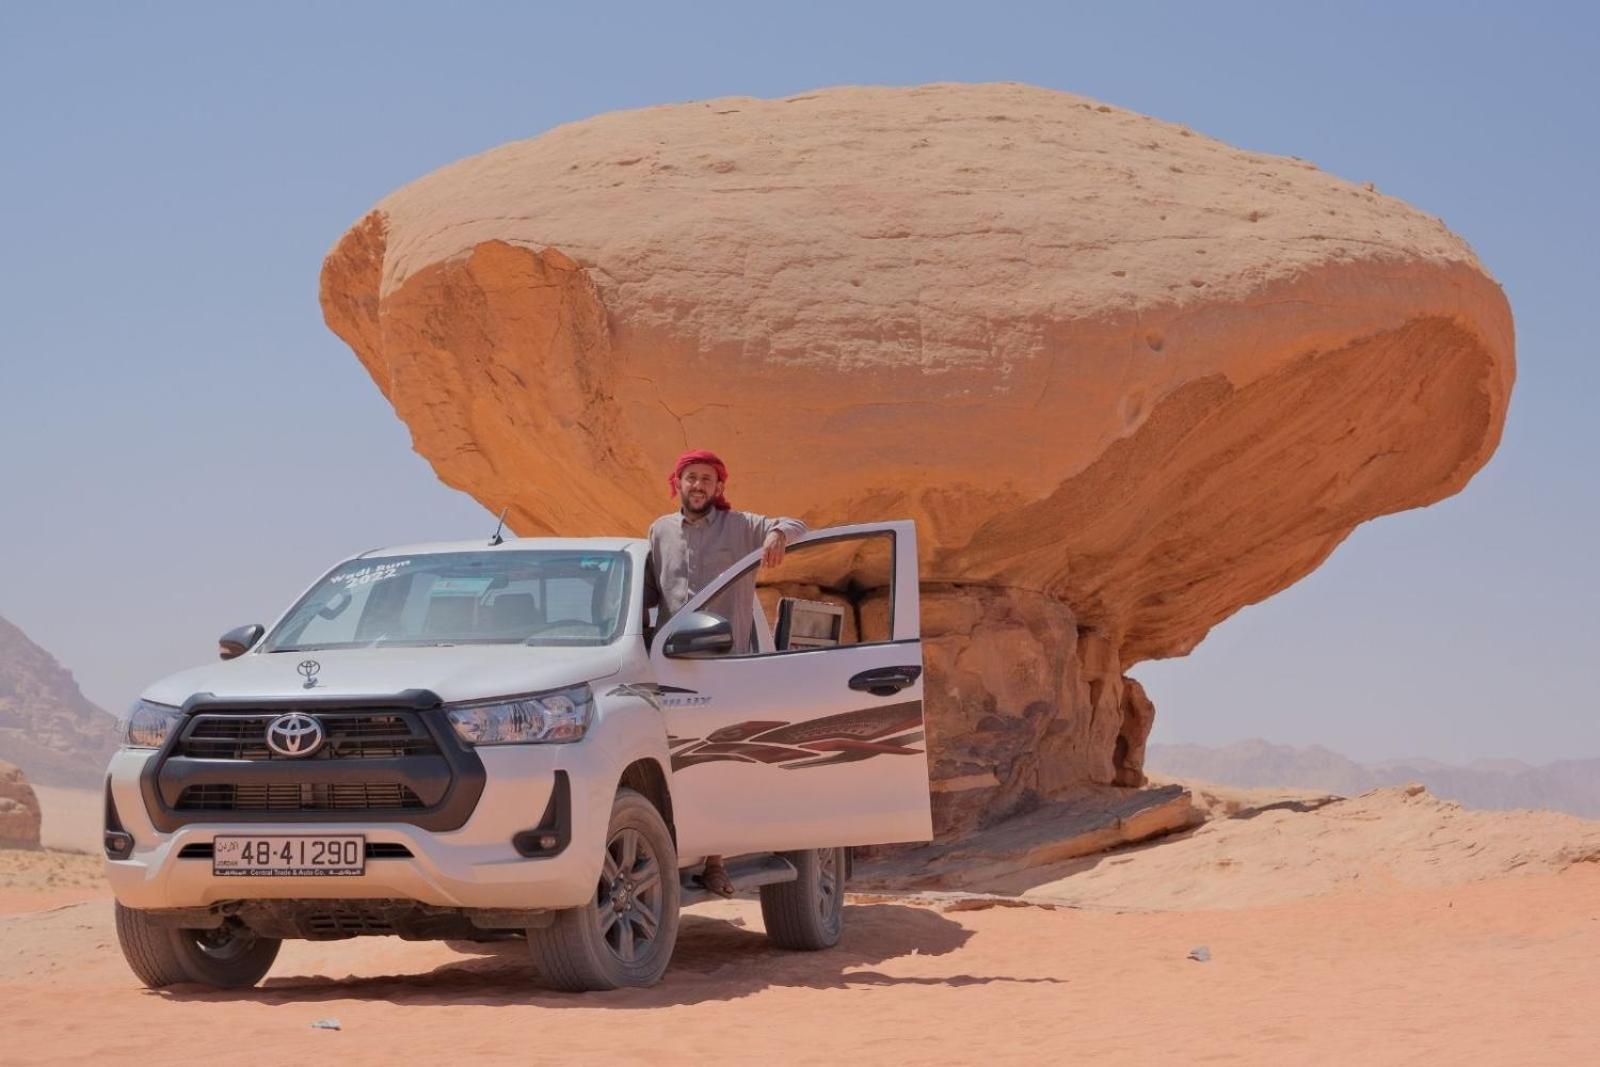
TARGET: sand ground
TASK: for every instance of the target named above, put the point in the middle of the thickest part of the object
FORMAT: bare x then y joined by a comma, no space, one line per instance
1405,967
71,818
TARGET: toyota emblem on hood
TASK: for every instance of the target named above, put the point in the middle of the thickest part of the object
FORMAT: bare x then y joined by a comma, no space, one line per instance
309,669
295,734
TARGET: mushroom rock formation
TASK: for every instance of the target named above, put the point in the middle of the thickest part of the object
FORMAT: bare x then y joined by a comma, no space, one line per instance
1126,378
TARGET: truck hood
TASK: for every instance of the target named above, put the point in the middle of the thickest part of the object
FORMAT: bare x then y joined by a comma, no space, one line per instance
455,673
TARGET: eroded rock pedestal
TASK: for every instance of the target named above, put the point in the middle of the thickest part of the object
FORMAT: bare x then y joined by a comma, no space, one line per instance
1024,704
1126,378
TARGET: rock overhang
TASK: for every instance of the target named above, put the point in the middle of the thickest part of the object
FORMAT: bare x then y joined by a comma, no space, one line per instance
1053,331
1127,379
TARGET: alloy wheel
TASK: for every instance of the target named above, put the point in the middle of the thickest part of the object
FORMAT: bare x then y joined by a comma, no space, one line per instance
224,944
628,904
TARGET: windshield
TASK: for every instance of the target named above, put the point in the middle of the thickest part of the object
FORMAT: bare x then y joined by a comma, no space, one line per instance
461,598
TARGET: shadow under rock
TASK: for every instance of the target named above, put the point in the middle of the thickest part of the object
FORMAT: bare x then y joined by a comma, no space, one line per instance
1297,806
714,960
1016,883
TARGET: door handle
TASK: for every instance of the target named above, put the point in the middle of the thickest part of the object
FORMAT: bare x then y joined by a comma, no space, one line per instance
885,681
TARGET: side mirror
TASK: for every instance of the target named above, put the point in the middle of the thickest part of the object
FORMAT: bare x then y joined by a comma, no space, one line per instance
239,640
700,636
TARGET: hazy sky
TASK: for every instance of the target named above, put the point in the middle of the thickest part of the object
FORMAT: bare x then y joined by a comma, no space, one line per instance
185,445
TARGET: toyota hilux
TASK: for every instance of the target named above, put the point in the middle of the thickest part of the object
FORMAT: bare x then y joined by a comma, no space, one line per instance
489,741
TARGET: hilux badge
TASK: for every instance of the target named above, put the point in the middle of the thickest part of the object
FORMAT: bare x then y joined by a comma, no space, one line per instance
308,669
294,734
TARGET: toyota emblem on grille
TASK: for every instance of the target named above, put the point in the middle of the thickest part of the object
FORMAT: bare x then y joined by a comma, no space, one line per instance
294,734
309,669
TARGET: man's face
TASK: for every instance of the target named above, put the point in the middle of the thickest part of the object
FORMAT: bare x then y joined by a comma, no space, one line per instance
697,488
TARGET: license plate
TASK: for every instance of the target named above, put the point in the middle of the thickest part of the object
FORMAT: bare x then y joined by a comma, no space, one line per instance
289,856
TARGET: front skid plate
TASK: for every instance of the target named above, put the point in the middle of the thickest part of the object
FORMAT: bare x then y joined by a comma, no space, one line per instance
332,920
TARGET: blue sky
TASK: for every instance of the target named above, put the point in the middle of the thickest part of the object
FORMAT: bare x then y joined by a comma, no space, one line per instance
185,445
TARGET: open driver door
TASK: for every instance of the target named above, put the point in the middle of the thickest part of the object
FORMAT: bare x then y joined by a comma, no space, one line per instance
817,741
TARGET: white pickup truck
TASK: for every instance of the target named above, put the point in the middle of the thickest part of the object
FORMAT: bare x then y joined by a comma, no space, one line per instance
483,741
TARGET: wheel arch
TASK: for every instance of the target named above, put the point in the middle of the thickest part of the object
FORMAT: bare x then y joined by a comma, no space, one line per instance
648,778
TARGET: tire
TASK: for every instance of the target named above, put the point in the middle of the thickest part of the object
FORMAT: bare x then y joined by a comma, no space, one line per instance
228,958
625,935
807,914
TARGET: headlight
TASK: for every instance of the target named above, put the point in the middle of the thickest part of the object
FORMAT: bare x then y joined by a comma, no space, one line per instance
555,717
147,725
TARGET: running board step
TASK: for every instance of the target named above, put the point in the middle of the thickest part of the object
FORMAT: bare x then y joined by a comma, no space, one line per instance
745,872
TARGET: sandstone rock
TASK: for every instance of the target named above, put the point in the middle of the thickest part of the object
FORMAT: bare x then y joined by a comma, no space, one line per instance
1138,717
1128,379
1083,821
19,810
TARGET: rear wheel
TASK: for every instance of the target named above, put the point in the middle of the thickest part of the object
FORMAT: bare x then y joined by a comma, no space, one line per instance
229,957
807,914
625,935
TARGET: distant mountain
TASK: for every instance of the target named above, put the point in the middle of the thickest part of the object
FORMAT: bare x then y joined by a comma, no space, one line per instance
47,726
1572,786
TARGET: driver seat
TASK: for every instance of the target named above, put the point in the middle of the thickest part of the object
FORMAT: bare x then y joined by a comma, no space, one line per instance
514,613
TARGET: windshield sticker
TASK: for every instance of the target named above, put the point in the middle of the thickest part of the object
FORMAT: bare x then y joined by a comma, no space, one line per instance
375,572
595,563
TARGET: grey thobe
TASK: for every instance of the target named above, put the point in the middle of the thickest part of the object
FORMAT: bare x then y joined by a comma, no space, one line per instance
689,554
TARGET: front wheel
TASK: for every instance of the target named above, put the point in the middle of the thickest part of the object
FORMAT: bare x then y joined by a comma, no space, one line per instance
229,957
625,935
807,914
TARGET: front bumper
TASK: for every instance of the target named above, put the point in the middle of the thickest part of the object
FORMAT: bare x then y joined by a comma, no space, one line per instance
475,866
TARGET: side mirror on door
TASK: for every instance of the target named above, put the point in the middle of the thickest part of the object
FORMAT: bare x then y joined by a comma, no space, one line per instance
239,640
700,636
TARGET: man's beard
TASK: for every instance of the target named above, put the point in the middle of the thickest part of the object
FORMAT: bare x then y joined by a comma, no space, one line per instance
694,512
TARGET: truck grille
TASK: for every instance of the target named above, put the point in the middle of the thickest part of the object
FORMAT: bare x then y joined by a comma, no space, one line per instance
293,796
384,758
383,735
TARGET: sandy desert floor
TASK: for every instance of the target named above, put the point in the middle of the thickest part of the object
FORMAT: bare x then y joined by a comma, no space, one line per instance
71,818
1433,962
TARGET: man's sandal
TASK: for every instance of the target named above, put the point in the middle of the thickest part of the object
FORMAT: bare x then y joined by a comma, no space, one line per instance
715,880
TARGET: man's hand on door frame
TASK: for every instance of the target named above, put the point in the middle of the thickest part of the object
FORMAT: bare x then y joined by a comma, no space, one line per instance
772,549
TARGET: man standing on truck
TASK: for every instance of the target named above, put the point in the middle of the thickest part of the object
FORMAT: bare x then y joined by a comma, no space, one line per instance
692,546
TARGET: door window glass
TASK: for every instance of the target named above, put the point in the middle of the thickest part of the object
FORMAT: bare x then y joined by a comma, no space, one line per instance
837,591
